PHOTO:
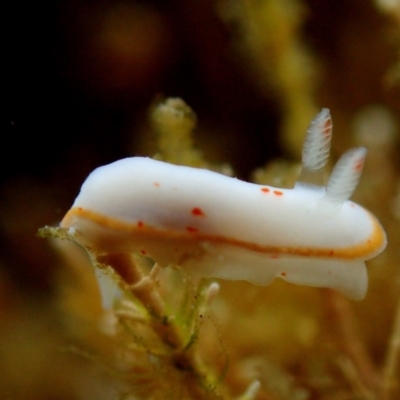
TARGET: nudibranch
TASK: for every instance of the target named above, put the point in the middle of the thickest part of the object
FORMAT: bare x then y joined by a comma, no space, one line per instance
212,225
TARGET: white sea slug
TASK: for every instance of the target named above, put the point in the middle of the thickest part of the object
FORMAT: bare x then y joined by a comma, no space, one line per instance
216,226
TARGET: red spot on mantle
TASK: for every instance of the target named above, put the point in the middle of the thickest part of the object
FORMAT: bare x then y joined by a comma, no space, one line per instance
198,212
283,273
265,190
278,192
140,224
156,184
191,229
143,252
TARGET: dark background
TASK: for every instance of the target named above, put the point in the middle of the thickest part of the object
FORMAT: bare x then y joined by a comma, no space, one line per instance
76,99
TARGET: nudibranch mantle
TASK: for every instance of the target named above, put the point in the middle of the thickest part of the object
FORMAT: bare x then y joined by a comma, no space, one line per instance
217,226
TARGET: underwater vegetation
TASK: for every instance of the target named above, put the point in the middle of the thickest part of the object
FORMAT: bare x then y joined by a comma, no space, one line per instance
150,266
125,296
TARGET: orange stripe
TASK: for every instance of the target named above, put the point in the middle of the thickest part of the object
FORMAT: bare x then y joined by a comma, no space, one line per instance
366,248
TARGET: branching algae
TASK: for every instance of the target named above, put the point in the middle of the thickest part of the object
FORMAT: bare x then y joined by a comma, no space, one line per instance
137,217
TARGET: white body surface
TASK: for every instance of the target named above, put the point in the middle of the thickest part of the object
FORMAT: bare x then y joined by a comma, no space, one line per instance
216,226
